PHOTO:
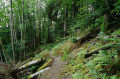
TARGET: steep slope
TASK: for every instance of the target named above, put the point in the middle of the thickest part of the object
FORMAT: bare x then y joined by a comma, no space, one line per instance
70,61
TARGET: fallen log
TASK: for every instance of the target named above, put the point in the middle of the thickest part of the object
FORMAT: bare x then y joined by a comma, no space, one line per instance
25,66
37,73
90,35
24,63
97,50
30,64
46,64
110,36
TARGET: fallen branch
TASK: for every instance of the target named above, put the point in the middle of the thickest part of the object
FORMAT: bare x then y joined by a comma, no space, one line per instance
46,64
101,48
37,73
25,66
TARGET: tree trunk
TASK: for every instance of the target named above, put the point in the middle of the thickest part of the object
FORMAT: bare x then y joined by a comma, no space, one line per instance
27,65
108,16
65,22
39,28
22,29
25,31
11,24
16,35
108,21
37,73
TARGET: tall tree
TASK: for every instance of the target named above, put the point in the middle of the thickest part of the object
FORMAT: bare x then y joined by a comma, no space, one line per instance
11,24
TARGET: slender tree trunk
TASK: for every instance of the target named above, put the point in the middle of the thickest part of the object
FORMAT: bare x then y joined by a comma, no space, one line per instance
39,33
11,24
35,25
65,20
19,24
25,31
39,28
16,35
15,30
65,23
22,26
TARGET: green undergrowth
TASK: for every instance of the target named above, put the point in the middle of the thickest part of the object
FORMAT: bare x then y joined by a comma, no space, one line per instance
63,49
105,65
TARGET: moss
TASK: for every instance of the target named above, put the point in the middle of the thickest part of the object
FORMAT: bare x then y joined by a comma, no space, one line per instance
45,65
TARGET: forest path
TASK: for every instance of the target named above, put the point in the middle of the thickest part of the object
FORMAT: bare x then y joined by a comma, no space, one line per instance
56,71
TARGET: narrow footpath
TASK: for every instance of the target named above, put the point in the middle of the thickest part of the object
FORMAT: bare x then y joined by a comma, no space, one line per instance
56,71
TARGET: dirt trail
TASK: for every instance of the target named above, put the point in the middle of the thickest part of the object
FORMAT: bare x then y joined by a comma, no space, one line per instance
56,70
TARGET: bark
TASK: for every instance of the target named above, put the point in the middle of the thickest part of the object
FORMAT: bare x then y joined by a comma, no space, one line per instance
101,48
37,73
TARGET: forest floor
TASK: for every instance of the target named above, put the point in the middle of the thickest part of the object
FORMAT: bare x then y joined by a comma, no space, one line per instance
57,68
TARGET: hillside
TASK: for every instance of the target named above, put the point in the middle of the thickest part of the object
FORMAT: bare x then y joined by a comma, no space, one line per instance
71,60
